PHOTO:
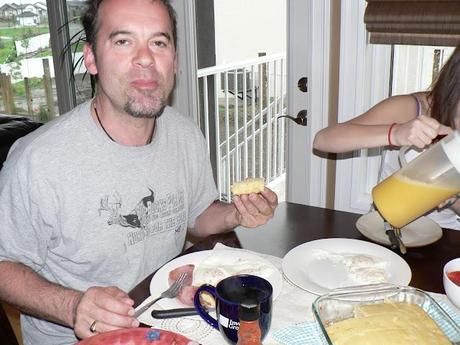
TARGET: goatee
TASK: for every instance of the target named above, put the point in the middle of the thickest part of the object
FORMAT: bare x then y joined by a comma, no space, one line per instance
153,108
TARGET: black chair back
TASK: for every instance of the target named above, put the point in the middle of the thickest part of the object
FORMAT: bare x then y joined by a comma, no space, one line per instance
11,129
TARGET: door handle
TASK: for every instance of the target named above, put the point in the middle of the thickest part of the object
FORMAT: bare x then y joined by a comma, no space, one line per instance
301,118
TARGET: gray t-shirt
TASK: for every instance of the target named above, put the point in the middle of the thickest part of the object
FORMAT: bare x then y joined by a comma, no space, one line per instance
82,210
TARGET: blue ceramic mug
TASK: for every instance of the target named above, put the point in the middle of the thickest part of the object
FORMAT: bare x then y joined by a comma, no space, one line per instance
228,295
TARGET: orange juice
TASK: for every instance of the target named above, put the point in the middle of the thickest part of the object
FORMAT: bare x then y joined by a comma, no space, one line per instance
401,200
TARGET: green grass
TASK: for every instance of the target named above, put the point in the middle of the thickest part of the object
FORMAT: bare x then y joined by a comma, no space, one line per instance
7,50
18,33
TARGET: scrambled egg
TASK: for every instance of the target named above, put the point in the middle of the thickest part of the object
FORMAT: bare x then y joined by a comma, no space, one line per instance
215,268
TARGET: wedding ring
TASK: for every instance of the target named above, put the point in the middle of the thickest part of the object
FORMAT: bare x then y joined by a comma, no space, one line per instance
92,328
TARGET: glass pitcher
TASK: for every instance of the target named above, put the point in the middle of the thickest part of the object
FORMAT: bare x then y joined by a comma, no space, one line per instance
422,184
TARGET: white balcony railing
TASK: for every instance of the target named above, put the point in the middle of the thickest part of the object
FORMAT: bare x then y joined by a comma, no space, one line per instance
239,107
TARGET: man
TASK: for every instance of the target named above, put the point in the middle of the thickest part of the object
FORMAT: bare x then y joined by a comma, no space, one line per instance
99,198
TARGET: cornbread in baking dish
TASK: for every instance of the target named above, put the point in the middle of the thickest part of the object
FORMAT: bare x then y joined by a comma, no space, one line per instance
248,186
387,323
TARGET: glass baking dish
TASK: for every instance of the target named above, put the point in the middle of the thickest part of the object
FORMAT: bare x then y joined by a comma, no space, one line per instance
339,305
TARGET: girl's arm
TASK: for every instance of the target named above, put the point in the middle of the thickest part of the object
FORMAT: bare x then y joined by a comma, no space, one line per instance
372,129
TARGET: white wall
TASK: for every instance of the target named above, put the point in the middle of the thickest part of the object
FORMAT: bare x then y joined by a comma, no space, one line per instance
413,67
364,81
246,27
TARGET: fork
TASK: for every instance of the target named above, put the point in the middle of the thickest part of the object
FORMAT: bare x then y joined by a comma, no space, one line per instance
394,234
391,233
171,292
402,247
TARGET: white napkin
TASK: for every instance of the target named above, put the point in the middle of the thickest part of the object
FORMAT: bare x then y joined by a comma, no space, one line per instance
291,307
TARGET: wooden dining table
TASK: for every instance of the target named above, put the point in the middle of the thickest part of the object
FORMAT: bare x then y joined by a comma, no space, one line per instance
294,224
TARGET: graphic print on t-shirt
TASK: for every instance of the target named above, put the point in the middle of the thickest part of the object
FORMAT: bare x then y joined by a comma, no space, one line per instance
151,215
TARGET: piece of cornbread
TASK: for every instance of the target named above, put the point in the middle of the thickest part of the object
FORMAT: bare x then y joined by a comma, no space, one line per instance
387,324
248,186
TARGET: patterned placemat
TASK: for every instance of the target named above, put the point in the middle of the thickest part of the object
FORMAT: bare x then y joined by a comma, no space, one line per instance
303,334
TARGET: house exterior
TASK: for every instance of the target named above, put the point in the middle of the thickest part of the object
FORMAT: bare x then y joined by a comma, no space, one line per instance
41,7
23,8
8,10
28,18
42,11
74,9
25,14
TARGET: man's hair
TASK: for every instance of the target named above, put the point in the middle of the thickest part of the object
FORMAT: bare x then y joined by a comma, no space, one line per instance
90,20
445,94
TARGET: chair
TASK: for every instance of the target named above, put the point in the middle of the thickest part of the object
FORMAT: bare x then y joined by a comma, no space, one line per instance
6,331
11,129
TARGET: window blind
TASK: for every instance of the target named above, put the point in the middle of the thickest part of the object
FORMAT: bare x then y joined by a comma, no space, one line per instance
419,22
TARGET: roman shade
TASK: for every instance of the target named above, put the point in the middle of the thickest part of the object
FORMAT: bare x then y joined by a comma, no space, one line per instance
420,22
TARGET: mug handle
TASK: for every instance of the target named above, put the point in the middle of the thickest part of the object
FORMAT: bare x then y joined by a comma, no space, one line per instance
201,311
402,155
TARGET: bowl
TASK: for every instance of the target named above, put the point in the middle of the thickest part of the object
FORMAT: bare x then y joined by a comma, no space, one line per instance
451,289
341,304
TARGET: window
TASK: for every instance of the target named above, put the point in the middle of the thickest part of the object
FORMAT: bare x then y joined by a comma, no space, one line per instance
28,49
82,83
416,67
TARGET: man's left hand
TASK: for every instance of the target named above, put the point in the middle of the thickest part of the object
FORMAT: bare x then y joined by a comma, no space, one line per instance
255,209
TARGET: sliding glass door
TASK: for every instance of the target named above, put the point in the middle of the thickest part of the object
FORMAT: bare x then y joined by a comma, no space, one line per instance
36,60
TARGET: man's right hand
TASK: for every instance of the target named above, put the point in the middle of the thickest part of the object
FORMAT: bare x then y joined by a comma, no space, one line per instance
109,307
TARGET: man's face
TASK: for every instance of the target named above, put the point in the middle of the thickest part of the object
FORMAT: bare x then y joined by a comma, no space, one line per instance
134,56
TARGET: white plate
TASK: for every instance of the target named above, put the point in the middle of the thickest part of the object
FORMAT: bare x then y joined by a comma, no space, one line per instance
320,274
420,232
159,281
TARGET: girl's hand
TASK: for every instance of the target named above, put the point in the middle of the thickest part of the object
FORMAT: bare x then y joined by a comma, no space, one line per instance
418,132
449,202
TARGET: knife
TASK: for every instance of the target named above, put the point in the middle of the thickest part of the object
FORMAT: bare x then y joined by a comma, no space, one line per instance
170,313
394,243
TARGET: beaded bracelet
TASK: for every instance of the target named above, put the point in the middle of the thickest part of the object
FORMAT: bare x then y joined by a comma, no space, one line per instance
389,133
